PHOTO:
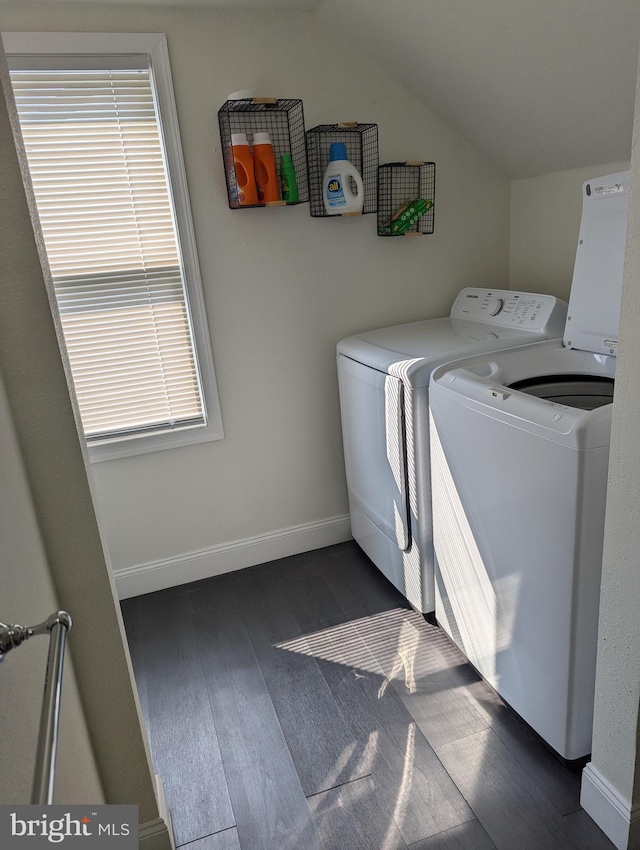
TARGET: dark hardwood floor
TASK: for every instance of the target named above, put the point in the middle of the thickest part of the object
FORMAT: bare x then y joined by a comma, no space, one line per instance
303,705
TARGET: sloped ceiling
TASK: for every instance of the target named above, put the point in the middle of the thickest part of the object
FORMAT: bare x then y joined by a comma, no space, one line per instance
537,85
226,5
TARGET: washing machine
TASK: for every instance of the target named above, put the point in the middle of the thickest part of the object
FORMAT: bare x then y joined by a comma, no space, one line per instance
519,459
383,379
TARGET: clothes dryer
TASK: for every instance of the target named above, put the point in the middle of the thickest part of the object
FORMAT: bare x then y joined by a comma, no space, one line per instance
383,379
519,453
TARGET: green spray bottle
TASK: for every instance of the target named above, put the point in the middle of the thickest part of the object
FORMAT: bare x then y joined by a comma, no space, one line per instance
288,179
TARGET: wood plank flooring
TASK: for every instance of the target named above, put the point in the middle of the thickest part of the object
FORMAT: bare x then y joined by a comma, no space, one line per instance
303,705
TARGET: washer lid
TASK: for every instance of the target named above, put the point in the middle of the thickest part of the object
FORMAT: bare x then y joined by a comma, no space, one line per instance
410,352
484,384
596,289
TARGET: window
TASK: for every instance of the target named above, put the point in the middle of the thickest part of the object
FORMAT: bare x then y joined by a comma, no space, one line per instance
103,150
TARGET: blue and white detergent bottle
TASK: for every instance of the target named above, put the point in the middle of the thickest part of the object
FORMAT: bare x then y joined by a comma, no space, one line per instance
336,185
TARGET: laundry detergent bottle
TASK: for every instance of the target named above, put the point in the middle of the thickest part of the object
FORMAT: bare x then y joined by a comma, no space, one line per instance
337,194
290,192
266,171
247,191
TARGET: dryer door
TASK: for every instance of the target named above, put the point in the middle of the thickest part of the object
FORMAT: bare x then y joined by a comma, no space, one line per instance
372,408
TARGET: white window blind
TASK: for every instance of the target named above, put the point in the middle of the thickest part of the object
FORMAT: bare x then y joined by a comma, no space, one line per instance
97,163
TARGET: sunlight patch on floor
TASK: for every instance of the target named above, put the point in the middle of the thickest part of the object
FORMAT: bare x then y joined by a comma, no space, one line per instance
396,645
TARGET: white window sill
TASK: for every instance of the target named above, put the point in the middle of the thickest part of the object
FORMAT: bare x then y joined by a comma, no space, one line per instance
146,443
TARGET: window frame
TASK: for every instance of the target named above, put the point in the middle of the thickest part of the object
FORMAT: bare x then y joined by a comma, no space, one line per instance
154,46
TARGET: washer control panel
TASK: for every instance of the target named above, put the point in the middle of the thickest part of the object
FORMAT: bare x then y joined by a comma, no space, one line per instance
505,308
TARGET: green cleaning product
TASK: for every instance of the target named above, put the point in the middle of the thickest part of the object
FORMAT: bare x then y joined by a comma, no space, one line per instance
406,216
288,180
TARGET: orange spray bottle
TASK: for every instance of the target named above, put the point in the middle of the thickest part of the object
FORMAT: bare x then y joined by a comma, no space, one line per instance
243,164
266,171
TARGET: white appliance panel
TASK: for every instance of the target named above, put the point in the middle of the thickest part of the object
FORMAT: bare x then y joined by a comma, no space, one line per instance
503,308
596,290
507,572
375,457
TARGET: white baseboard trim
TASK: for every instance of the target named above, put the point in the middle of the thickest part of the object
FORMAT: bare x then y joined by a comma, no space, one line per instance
226,557
155,835
163,809
607,807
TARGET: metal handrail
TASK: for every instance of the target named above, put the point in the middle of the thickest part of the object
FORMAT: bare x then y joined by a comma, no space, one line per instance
12,636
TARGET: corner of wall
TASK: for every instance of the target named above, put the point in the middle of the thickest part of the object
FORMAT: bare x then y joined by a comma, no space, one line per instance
609,809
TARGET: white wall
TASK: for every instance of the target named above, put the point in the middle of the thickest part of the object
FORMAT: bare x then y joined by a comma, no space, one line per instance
614,769
532,85
281,288
28,597
545,220
50,547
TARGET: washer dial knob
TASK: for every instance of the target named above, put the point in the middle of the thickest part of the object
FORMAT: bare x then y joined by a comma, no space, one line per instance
495,306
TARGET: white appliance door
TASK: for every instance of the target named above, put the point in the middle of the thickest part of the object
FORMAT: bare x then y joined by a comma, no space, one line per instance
596,288
372,405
